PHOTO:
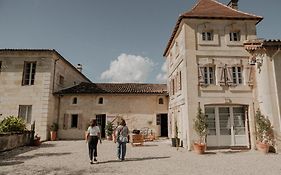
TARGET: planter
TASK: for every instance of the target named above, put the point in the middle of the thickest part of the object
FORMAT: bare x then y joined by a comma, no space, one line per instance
36,141
53,135
263,147
199,148
175,142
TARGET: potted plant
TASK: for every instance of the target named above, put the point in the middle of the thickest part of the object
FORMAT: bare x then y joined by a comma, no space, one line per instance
109,130
200,126
264,131
175,139
36,141
53,131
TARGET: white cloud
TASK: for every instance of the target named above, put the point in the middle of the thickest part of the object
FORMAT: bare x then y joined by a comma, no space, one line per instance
162,77
128,68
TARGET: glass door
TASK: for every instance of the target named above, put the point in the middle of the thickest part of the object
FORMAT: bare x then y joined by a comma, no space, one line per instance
227,126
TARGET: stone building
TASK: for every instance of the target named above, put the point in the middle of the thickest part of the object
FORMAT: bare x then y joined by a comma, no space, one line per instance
141,105
266,56
40,85
28,79
208,67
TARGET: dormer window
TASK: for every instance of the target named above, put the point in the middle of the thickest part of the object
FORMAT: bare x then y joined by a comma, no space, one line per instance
100,100
234,36
74,101
207,36
161,101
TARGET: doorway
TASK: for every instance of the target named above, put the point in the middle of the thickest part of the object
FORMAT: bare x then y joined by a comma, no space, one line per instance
162,121
101,119
227,126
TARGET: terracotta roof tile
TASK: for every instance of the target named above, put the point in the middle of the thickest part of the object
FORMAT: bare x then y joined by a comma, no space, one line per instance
211,9
115,88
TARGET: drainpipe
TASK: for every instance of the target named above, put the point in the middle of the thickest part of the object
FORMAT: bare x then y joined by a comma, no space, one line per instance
54,75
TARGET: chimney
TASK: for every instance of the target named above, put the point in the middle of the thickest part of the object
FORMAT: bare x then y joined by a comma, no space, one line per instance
233,4
79,67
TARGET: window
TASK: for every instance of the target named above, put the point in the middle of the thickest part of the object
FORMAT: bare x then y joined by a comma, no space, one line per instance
207,36
173,87
180,84
161,101
74,120
29,73
61,80
74,101
100,100
158,119
234,36
209,75
237,75
25,112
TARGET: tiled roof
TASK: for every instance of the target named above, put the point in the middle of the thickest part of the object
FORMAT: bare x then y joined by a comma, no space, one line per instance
211,9
214,9
115,88
260,43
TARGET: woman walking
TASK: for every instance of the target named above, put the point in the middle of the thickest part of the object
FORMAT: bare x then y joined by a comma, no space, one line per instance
93,136
122,133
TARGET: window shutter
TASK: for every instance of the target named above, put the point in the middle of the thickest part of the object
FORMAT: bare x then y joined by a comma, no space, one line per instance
221,75
80,121
229,79
249,75
201,75
65,121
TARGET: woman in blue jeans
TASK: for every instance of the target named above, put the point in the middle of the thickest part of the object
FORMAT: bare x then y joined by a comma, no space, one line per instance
122,133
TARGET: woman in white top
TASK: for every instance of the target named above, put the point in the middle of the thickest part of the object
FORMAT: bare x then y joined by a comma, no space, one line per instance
93,136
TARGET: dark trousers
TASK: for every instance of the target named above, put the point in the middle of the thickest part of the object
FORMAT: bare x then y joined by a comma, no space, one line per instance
121,150
92,144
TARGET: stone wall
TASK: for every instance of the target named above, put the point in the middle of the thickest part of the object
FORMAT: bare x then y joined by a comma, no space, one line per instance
14,140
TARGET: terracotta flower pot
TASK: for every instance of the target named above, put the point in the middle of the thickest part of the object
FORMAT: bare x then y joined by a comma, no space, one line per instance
199,148
263,147
53,135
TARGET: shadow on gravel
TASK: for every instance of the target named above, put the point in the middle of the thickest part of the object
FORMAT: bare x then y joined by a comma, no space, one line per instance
135,159
13,157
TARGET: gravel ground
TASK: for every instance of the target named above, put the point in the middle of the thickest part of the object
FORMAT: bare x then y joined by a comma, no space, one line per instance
154,158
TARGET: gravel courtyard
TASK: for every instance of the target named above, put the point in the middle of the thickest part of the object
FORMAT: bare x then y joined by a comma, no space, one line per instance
154,158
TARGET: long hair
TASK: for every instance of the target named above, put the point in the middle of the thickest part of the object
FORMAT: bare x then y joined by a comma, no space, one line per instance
93,123
123,123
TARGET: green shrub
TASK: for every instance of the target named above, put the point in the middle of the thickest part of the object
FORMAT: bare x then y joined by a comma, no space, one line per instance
12,124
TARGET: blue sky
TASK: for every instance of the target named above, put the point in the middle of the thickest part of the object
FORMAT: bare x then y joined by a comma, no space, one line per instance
114,40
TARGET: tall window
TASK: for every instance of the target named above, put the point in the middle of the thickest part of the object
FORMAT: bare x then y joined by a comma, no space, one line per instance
237,75
74,101
100,100
61,80
234,36
173,86
207,36
209,75
161,101
74,120
25,112
29,73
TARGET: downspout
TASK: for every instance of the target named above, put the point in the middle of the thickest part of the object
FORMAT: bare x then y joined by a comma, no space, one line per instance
54,75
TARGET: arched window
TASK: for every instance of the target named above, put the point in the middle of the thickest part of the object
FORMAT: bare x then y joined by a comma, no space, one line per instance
100,100
161,101
74,101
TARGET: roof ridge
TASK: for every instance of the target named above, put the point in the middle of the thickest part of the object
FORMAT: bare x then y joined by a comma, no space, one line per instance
245,13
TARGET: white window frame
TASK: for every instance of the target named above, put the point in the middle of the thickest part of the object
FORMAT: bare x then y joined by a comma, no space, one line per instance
25,112
209,77
234,36
237,76
27,76
207,36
